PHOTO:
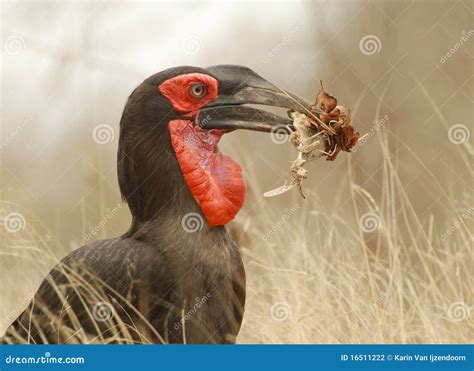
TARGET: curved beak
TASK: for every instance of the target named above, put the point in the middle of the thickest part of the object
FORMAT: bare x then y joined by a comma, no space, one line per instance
238,86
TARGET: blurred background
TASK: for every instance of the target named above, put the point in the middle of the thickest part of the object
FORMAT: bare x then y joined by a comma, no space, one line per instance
405,69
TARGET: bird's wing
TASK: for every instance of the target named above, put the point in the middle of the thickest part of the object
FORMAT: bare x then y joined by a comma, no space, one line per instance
108,291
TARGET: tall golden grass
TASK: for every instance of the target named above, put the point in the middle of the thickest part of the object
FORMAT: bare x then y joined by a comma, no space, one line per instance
374,271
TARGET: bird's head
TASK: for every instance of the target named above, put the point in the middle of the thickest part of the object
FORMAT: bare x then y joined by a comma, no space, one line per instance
168,156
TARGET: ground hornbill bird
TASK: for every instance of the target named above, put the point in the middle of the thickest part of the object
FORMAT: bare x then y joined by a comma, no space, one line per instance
176,276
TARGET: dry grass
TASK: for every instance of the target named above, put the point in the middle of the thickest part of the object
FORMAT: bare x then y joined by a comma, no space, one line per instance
326,280
373,272
314,276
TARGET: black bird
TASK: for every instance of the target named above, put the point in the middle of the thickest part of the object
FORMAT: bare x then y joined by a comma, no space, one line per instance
176,276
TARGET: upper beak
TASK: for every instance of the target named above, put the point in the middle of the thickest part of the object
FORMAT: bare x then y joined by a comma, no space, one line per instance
240,85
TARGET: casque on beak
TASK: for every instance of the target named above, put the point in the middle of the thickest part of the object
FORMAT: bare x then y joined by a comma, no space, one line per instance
238,86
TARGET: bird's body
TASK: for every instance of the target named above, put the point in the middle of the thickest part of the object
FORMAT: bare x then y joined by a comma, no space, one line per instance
170,279
141,294
176,276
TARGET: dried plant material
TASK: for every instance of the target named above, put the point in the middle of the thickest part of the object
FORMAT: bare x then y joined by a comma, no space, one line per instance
327,132
335,121
324,101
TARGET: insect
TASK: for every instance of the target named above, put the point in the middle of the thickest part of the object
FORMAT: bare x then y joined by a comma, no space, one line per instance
324,133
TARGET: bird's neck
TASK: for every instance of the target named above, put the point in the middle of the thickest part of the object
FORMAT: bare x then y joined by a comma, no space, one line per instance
152,183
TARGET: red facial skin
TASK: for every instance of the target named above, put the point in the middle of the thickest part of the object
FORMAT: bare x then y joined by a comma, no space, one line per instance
176,90
214,179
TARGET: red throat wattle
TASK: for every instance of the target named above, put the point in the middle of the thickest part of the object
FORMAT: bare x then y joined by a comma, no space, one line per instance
214,179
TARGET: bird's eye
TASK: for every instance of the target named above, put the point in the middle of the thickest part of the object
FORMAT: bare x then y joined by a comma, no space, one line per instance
197,90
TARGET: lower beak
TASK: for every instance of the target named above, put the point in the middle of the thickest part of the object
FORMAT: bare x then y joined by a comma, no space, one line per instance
239,86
